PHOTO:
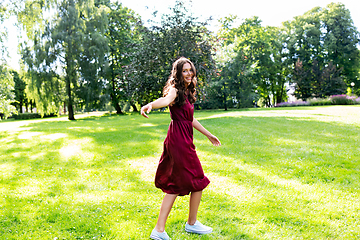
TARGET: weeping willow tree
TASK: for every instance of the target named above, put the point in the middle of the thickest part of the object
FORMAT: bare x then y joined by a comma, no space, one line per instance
66,49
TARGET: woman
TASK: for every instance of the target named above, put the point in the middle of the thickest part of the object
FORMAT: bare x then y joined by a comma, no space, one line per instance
179,172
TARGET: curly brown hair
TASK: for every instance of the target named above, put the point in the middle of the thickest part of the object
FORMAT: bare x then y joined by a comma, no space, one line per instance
176,80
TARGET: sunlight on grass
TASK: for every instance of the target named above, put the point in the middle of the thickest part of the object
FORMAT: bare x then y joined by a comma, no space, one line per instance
146,166
71,150
30,188
147,125
28,135
75,149
226,186
33,156
7,170
289,173
345,114
54,136
90,198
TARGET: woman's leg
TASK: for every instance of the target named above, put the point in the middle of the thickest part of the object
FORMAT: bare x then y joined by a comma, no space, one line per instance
194,203
165,209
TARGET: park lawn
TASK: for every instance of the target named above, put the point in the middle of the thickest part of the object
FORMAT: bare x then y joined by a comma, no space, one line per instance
289,173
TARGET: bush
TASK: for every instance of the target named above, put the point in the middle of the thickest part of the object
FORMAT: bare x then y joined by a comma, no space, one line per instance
342,100
357,101
292,104
22,116
332,100
320,102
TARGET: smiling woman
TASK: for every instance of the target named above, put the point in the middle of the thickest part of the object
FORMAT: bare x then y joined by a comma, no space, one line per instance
179,171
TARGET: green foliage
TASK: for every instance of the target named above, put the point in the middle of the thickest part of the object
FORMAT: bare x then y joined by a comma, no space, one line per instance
74,40
318,82
232,87
93,178
332,100
7,95
340,41
19,90
92,61
342,100
320,102
325,42
263,52
3,31
86,53
122,35
22,116
44,85
178,34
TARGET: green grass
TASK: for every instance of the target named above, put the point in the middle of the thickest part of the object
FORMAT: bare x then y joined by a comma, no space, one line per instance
291,173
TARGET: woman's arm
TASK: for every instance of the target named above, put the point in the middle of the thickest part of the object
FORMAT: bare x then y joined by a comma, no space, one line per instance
214,140
160,102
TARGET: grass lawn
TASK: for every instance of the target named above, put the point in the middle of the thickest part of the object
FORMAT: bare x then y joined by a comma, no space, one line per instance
289,173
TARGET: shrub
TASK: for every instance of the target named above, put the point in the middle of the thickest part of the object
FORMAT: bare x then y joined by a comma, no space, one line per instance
342,100
357,101
332,100
22,116
292,104
319,101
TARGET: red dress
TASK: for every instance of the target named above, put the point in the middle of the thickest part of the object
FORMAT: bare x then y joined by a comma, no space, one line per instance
179,170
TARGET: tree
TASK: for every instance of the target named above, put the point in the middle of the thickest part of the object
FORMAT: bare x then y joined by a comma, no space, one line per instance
19,91
340,41
178,34
263,49
69,50
303,38
332,82
91,60
303,87
323,40
3,31
318,81
7,95
121,35
232,86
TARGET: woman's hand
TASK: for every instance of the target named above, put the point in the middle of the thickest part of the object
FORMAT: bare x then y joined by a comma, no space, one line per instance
146,108
214,140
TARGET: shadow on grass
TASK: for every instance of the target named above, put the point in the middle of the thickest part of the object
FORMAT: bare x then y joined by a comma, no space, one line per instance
310,151
72,180
301,178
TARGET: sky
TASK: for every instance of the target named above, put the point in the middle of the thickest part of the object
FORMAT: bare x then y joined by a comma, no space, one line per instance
271,12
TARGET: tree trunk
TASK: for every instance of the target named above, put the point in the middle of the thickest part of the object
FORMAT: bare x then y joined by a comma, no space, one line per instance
225,106
31,106
114,100
134,107
117,107
115,103
70,102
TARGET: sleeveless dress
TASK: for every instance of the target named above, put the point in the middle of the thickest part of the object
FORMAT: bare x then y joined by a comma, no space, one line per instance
179,170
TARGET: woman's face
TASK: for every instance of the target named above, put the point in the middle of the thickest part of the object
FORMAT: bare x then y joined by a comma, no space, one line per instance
187,73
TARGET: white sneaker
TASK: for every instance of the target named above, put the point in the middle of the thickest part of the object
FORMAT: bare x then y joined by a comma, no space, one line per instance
198,228
159,236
